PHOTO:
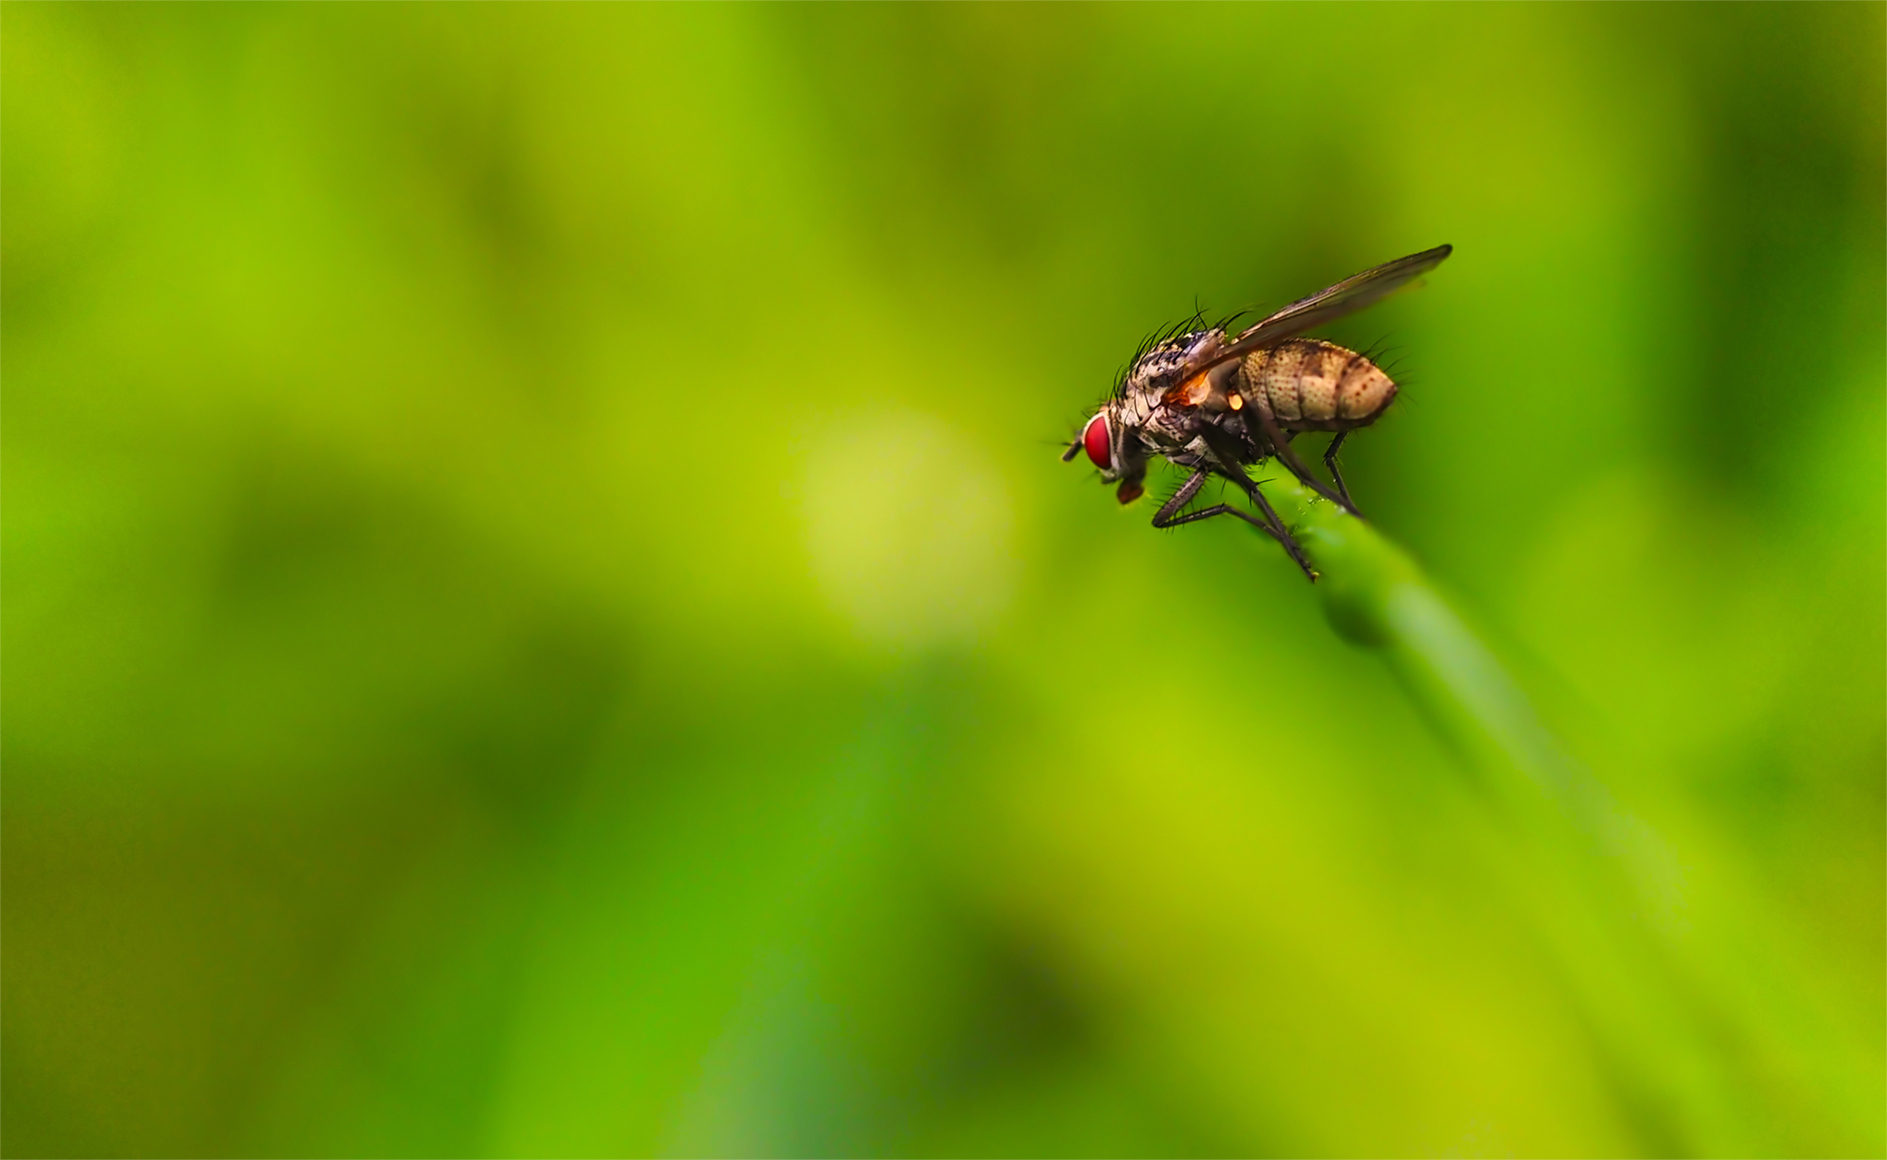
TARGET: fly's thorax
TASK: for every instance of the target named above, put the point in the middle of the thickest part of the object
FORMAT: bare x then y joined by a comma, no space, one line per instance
1162,429
1148,425
1135,408
1310,385
1161,368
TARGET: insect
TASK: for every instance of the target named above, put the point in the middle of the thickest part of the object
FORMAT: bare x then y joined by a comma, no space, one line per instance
1214,403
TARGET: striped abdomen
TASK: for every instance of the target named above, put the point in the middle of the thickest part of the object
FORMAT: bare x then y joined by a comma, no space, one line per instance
1309,385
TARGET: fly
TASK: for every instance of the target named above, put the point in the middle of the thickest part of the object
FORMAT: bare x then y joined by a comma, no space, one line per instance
1214,403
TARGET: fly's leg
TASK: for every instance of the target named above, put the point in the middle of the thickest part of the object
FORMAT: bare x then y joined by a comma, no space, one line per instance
1168,517
1164,517
1296,465
1284,537
1226,453
1222,509
1330,461
1226,509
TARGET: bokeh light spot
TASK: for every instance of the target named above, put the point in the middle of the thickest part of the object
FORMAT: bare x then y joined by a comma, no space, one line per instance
908,528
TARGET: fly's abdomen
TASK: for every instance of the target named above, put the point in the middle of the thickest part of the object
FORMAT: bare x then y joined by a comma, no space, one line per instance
1309,385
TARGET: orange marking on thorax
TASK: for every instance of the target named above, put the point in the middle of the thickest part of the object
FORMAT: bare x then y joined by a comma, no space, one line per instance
1190,393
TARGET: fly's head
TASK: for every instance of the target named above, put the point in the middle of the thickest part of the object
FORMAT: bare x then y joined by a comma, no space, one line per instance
1113,444
1138,422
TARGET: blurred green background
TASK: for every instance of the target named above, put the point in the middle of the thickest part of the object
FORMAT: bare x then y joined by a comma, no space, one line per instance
543,616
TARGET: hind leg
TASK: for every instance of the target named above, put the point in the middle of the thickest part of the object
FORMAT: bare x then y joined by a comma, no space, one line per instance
1336,473
1281,444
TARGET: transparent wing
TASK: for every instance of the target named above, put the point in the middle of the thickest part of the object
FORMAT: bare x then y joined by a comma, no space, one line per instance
1346,297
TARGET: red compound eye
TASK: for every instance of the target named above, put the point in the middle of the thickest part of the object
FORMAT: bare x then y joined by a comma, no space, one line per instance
1096,441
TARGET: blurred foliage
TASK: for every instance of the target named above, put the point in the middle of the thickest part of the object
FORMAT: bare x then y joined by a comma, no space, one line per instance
543,615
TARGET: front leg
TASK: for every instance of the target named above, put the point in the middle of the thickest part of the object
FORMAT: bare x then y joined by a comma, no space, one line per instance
1164,517
1168,516
1270,525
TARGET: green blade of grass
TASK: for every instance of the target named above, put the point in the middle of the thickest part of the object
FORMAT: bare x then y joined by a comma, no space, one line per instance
1683,1035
